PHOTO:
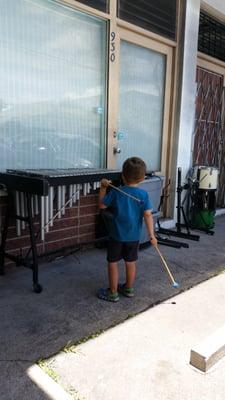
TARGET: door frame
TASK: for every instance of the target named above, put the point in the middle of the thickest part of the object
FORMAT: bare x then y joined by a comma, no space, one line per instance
113,95
211,64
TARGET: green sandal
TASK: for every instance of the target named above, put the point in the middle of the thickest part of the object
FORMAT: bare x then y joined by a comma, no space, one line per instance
106,294
128,292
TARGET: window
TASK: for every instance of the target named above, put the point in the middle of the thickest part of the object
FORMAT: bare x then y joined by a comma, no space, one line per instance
101,5
73,94
158,16
52,86
211,37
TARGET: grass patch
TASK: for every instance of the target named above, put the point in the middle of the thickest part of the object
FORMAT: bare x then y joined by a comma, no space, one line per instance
48,370
71,347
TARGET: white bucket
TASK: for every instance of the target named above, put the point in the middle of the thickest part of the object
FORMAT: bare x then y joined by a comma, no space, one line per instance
207,177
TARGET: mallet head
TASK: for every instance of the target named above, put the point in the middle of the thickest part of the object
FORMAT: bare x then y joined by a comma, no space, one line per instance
175,285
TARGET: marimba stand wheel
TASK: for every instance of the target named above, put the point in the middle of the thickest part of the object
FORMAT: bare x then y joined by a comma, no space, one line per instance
37,288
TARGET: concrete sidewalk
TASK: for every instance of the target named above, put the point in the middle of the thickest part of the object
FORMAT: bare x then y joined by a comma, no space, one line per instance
147,357
36,326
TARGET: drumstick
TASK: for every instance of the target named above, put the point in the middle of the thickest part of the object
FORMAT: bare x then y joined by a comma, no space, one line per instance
126,194
174,283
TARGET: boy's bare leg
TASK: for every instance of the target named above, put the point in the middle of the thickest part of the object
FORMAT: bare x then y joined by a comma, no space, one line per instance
113,275
130,273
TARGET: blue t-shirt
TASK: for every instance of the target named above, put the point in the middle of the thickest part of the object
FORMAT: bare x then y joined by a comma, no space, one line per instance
127,213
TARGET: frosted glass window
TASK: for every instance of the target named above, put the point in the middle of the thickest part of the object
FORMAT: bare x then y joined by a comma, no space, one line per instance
101,5
142,86
52,86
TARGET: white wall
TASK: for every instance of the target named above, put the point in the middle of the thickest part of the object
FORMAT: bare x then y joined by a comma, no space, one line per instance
188,87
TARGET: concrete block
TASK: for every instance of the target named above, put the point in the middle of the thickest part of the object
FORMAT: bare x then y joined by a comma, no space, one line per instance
211,350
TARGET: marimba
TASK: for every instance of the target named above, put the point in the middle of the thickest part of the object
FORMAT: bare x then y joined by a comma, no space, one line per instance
32,193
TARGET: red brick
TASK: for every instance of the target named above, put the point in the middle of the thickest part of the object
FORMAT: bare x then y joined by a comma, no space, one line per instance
89,228
61,234
87,210
69,230
17,242
89,200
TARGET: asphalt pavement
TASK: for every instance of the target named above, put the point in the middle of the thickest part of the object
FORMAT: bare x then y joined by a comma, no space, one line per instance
40,326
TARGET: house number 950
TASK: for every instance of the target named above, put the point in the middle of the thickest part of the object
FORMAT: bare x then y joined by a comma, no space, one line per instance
112,47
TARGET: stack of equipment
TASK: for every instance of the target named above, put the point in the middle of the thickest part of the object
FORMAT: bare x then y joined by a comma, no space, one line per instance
203,197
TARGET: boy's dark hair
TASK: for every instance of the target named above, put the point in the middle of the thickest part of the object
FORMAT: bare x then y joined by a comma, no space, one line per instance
134,169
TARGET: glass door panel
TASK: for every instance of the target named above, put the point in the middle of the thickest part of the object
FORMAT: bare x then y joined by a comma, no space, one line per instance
141,104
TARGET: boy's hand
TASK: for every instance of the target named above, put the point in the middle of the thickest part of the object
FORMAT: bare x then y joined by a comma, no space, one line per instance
153,241
105,183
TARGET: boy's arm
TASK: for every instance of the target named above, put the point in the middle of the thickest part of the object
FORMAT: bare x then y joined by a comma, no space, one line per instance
150,227
102,193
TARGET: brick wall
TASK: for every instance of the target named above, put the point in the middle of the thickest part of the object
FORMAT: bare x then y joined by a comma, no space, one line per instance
77,226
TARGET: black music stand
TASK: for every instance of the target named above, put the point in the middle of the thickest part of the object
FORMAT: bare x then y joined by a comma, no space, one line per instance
180,213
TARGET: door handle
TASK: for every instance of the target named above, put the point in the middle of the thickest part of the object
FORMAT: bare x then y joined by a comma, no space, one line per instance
116,150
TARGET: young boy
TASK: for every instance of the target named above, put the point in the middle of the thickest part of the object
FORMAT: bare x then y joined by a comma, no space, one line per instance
128,212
